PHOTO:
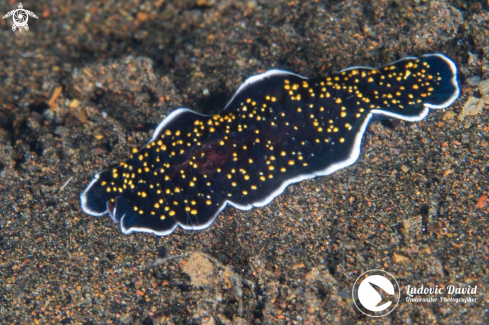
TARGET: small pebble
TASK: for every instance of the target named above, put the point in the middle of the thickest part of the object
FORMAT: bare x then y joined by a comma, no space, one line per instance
466,138
471,107
61,130
473,81
74,103
484,87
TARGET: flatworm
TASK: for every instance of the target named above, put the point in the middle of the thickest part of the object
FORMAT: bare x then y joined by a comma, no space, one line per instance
279,128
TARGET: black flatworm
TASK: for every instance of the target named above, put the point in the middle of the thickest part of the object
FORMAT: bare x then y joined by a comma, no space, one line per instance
279,128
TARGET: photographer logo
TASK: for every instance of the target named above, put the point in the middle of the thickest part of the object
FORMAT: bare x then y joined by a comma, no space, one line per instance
376,293
20,16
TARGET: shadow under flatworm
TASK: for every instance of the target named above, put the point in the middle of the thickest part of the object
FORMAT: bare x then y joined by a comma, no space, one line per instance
279,128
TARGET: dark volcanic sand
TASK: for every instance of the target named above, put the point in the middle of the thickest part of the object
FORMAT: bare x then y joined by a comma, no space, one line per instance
90,81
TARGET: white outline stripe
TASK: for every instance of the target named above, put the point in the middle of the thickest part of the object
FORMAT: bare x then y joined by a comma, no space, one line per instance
259,77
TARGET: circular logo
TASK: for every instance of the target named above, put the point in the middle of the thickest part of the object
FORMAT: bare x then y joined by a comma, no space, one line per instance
20,17
376,293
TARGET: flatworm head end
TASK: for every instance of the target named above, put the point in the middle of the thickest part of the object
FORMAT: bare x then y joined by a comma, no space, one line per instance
92,199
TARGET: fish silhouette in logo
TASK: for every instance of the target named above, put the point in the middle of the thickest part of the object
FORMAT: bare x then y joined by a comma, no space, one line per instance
384,296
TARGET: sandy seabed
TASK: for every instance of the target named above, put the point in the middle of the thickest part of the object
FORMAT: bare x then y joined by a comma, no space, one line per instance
91,80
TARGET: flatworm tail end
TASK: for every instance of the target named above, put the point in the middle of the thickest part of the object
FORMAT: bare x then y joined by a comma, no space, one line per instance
279,128
446,70
428,82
